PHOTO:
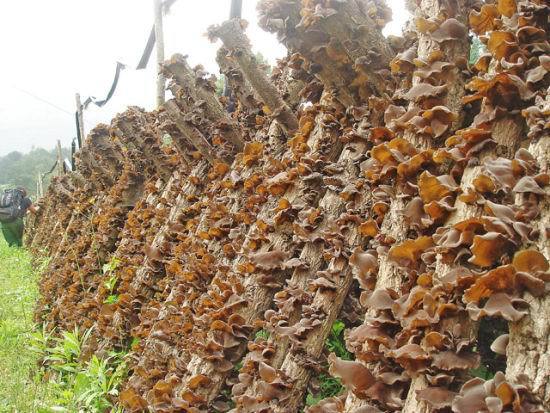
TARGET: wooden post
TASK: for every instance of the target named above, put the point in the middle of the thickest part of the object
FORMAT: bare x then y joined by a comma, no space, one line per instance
234,13
59,158
40,185
73,152
236,9
80,119
159,35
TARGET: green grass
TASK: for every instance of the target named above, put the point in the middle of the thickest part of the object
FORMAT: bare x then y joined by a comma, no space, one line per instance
21,390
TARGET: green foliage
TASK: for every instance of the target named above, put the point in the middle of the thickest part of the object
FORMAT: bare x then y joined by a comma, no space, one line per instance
335,341
489,329
328,387
482,372
111,266
111,299
42,371
331,386
17,169
110,282
83,386
21,387
262,335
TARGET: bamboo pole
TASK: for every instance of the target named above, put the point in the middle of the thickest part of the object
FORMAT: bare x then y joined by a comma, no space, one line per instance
59,158
159,35
234,13
80,119
40,185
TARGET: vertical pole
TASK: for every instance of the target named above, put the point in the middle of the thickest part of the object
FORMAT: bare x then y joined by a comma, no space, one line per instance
73,152
40,185
235,12
59,158
80,119
159,35
236,9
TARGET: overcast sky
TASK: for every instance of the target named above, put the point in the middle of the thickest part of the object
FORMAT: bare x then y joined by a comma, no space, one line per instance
54,48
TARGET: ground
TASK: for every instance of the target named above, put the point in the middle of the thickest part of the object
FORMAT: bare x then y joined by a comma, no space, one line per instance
20,389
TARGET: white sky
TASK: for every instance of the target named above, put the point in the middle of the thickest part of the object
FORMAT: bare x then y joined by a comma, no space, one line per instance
55,48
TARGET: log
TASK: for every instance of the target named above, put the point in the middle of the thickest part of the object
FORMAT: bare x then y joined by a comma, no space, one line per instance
234,39
192,134
178,68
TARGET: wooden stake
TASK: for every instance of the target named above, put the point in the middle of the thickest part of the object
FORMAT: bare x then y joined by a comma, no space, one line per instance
59,158
40,185
236,9
80,118
234,13
159,35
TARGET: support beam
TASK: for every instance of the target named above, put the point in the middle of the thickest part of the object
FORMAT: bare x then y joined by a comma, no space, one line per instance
80,120
159,35
40,185
236,9
59,159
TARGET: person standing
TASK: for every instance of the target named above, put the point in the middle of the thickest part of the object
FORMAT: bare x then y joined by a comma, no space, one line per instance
14,204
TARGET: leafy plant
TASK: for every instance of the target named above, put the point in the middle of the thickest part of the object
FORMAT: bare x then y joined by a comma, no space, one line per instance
21,386
111,281
328,387
111,266
80,386
331,386
335,341
262,334
110,284
111,299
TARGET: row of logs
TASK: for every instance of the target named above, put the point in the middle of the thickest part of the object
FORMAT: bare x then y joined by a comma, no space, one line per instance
384,182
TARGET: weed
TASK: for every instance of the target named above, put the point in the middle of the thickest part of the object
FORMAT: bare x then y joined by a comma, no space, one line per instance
262,334
335,341
111,266
89,386
111,299
329,386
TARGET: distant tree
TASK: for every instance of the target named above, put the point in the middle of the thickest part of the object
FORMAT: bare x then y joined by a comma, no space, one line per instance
18,169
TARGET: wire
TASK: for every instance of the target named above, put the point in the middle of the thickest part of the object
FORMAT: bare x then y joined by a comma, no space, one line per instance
53,105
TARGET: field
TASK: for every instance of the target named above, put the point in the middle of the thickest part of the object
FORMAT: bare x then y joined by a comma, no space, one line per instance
20,388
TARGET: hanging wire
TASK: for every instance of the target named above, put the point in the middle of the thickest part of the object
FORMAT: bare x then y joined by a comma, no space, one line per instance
47,102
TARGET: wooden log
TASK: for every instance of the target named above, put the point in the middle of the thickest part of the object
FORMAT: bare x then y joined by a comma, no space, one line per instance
395,223
178,68
527,355
295,361
258,297
236,81
192,134
234,39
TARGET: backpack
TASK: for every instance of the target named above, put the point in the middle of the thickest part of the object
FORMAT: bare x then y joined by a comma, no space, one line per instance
11,205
